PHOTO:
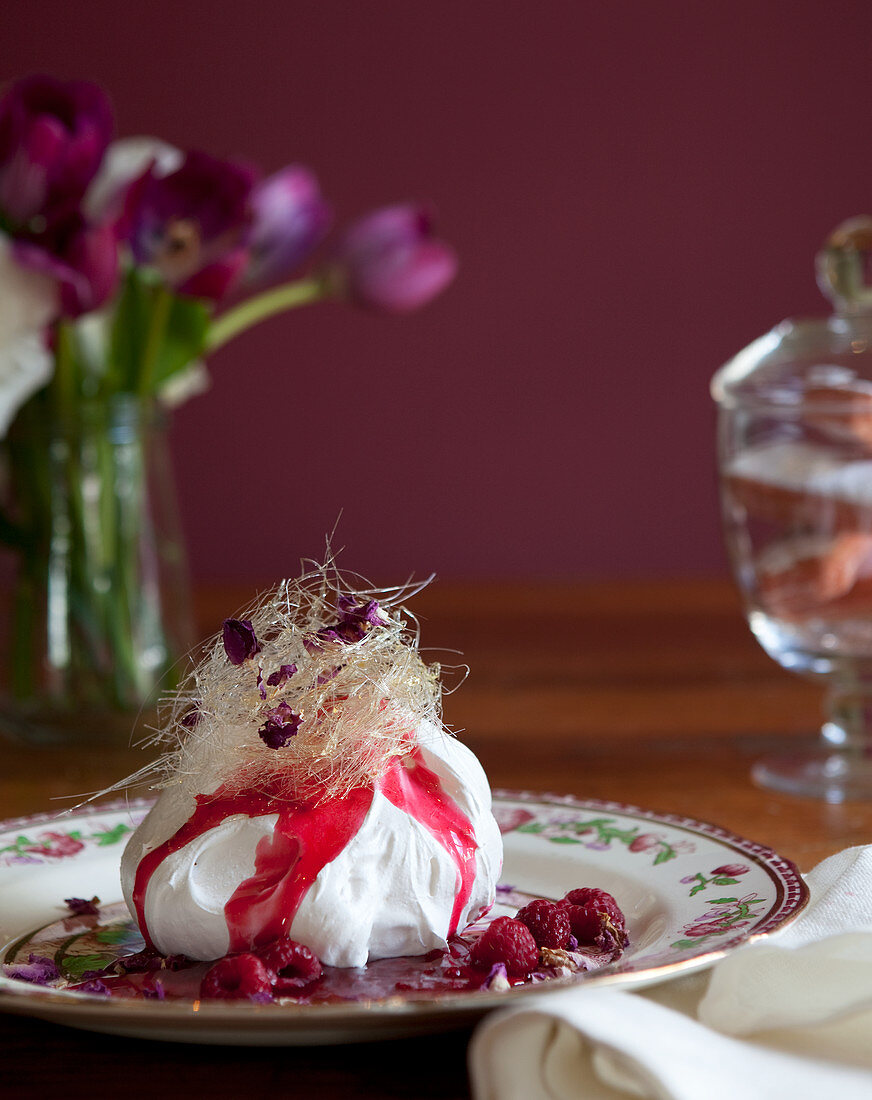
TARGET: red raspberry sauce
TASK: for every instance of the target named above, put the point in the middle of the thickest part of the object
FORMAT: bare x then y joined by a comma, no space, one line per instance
309,836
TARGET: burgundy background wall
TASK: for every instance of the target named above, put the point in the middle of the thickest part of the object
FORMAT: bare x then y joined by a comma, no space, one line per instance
636,190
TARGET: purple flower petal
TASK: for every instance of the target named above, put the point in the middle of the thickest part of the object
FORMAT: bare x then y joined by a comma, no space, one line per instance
38,970
390,261
82,907
354,623
93,986
142,962
350,611
290,218
175,962
216,280
82,257
240,642
313,643
190,224
53,134
154,992
280,726
497,978
192,717
285,672
326,677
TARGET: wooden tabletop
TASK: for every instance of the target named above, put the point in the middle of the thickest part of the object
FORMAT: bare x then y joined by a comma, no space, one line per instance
651,693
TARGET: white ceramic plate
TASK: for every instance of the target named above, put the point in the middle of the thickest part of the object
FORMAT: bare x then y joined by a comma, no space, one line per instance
691,893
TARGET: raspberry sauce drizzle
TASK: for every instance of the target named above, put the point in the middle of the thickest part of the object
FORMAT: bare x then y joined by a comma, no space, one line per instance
411,786
306,838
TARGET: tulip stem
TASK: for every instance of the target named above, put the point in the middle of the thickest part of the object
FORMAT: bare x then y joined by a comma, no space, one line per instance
253,310
163,301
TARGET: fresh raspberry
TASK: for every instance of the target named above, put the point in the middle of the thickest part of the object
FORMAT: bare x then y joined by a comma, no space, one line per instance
585,922
594,928
548,923
506,940
293,964
237,978
600,900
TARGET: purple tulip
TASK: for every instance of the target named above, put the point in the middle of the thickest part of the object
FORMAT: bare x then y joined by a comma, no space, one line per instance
82,257
290,219
389,260
190,224
52,137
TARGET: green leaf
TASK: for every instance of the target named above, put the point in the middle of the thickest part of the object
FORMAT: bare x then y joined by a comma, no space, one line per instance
723,901
663,856
593,823
122,933
699,886
184,338
721,880
111,836
181,340
530,827
129,331
564,840
74,966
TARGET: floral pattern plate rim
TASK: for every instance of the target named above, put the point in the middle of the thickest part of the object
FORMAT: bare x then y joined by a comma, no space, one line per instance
691,891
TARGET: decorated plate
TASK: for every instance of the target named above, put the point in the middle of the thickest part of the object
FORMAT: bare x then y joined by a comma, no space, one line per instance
691,892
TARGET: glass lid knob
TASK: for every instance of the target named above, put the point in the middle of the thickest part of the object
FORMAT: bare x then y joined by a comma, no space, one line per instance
844,266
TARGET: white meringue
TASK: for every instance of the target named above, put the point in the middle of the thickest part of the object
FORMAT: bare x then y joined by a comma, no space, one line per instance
390,892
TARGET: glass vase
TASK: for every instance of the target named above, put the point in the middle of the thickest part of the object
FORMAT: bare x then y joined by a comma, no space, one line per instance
99,614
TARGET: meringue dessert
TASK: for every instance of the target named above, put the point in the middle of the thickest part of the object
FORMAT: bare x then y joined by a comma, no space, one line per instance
310,792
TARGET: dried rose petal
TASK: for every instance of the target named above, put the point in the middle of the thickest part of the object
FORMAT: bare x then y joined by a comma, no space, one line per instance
240,642
175,962
497,979
326,677
83,908
355,622
285,672
38,970
352,611
317,641
142,962
93,986
190,719
281,725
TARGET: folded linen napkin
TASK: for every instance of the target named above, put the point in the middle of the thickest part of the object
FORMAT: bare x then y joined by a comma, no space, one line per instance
787,1017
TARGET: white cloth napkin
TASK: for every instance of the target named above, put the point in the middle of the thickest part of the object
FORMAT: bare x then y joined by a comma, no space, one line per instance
787,1017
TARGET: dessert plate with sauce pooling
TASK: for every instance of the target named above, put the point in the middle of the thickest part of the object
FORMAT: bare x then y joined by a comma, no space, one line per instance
691,892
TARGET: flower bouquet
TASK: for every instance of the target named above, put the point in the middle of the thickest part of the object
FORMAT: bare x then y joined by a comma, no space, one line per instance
123,263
